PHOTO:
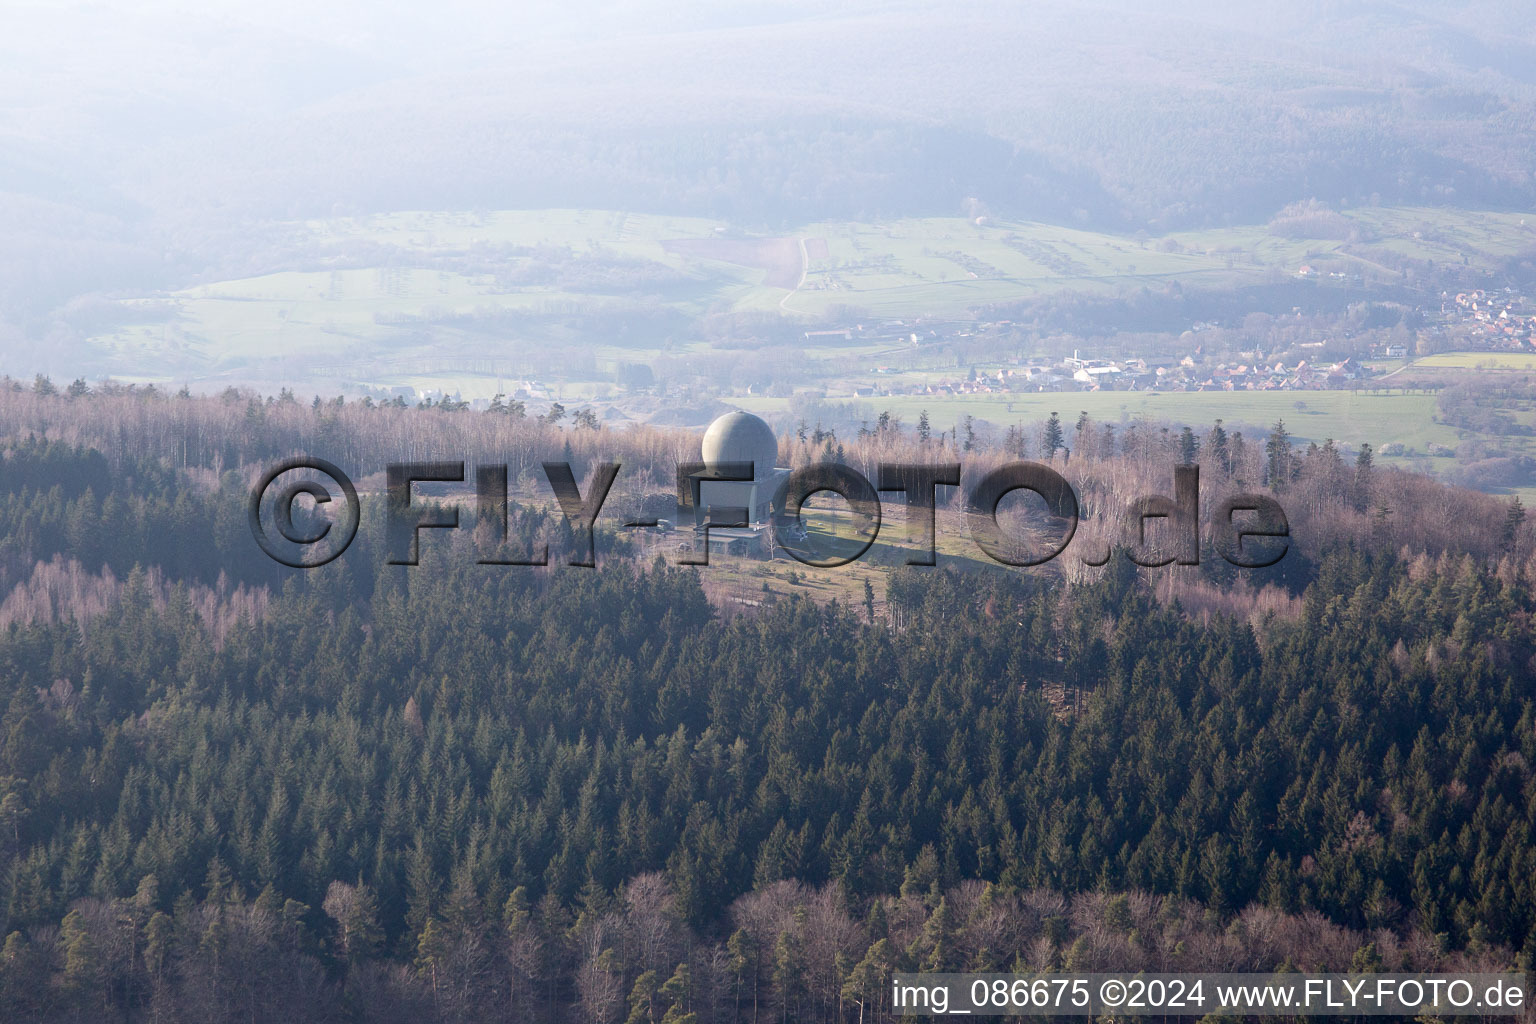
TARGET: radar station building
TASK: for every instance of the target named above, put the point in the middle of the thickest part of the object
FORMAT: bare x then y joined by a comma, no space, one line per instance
739,437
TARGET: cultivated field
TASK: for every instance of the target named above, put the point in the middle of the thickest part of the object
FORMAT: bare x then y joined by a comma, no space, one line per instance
780,259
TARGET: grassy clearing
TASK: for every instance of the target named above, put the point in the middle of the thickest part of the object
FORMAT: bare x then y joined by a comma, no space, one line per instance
755,580
946,266
1349,417
1479,361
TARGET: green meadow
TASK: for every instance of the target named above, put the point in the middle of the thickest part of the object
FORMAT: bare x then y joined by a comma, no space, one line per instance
1345,416
1478,361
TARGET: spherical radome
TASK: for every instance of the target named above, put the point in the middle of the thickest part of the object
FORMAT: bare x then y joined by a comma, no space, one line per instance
742,437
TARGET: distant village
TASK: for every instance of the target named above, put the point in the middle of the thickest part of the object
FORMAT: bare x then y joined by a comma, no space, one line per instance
1499,320
1190,372
1492,320
1080,374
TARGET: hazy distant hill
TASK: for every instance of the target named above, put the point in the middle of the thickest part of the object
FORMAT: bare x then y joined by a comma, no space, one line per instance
155,147
1106,114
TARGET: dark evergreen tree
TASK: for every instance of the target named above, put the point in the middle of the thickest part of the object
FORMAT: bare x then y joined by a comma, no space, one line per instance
1051,441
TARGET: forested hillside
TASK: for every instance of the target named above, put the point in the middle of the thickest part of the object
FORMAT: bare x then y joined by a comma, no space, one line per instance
464,792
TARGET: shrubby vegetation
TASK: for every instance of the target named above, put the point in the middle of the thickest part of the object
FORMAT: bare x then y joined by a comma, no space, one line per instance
1485,406
1313,219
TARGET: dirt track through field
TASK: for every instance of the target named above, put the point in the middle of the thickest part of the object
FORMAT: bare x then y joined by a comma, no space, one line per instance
781,259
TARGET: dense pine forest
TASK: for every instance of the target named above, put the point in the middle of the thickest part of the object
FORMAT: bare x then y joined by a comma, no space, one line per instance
232,791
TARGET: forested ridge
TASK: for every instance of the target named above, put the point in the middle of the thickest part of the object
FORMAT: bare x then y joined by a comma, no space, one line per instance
462,792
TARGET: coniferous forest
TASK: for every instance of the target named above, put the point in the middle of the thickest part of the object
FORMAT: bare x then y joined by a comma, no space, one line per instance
231,791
